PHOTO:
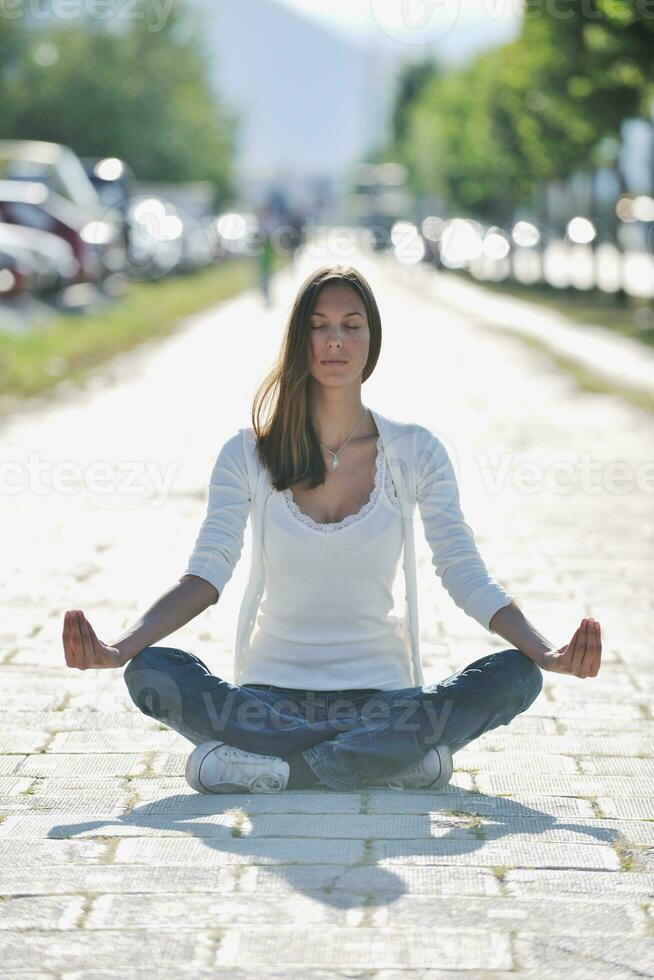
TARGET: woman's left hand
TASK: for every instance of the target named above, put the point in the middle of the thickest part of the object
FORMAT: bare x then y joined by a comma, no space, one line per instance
581,657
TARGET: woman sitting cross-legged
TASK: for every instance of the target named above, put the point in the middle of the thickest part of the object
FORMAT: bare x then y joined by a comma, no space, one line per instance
329,690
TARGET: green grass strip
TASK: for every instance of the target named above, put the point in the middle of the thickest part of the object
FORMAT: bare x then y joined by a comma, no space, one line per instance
69,346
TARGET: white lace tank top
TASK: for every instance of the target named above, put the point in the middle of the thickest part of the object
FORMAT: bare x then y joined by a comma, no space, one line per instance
325,620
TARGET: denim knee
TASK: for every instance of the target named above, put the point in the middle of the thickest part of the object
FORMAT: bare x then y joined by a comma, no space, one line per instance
145,658
529,674
153,683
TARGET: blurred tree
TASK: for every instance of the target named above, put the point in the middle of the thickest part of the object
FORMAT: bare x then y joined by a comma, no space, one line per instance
487,135
13,47
410,82
570,81
134,93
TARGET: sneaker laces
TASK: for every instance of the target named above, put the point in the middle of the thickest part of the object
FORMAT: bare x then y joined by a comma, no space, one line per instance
232,756
233,752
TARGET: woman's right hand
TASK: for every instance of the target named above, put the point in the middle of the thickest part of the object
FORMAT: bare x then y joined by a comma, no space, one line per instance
82,648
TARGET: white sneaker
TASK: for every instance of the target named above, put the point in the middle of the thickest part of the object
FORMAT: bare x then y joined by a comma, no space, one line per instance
215,767
433,771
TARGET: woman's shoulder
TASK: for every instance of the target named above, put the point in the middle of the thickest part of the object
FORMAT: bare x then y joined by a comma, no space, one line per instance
407,437
237,450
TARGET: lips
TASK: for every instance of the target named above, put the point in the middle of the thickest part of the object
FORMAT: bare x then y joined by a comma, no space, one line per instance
333,362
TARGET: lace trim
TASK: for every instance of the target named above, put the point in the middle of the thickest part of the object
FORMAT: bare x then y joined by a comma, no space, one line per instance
330,527
389,486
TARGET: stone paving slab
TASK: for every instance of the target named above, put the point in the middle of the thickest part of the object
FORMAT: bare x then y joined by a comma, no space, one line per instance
506,761
208,909
100,765
50,911
372,881
111,740
176,796
532,829
77,720
14,785
37,853
559,955
304,826
628,809
604,745
17,741
64,951
515,853
617,766
548,884
235,850
92,805
562,785
573,714
10,763
422,801
263,973
566,917
101,879
634,726
460,949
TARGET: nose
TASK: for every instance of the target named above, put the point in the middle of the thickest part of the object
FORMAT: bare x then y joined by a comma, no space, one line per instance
335,336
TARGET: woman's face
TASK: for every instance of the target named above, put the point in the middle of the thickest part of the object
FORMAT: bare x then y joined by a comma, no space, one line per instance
338,330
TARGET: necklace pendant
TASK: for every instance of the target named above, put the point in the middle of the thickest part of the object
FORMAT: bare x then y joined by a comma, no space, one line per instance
334,462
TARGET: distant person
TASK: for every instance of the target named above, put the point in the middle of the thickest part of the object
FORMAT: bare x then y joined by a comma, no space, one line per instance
266,252
295,232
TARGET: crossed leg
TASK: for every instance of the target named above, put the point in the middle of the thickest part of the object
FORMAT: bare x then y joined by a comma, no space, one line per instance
486,693
179,689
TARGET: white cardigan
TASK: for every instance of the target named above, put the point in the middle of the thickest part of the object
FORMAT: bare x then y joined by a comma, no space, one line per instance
423,475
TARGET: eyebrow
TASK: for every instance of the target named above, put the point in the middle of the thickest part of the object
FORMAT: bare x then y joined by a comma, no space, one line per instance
351,313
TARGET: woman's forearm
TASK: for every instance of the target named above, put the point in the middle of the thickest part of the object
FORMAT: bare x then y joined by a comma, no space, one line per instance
191,596
510,623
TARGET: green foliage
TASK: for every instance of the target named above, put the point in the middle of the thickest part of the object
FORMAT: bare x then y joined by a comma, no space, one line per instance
135,93
411,80
486,136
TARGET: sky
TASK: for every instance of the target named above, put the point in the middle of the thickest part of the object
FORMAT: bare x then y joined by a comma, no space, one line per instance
449,25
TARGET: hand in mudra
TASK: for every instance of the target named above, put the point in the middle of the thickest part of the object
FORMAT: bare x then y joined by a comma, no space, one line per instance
583,654
82,648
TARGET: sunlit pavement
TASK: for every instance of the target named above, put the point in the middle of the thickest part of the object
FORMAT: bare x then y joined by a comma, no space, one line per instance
605,353
537,860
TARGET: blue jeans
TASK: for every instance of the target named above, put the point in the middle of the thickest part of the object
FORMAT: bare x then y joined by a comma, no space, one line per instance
348,738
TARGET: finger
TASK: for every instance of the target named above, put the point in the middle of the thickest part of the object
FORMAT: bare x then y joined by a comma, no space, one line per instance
89,645
65,637
597,662
591,651
73,639
579,651
567,658
83,659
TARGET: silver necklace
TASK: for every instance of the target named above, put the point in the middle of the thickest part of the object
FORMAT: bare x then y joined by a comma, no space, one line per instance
335,455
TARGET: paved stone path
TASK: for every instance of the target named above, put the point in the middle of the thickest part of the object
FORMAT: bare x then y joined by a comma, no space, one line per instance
537,861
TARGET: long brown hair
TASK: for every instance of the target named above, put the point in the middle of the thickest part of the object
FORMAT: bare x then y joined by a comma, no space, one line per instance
286,439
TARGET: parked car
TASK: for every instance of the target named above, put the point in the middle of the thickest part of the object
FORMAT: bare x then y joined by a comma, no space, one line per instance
51,257
53,164
95,243
17,274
